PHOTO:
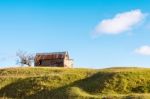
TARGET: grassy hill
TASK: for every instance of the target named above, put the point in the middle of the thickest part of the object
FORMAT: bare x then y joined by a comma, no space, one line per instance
62,83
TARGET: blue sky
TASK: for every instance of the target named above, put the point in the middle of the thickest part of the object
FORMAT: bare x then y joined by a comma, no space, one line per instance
97,33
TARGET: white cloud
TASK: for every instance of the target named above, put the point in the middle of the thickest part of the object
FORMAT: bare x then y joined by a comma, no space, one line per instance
122,22
143,50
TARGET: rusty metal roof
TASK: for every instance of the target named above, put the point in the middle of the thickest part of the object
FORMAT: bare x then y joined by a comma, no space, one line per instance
54,55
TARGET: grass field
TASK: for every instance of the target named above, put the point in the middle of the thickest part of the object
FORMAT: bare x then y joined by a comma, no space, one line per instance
62,83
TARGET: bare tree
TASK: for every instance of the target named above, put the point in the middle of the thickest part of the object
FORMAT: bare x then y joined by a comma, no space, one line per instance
24,58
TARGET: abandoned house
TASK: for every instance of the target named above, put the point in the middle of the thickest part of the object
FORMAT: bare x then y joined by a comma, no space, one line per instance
55,59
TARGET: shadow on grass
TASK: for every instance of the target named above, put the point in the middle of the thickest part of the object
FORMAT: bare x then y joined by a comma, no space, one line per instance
31,88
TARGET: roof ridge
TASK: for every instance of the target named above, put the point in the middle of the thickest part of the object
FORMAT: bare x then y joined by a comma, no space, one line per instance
65,52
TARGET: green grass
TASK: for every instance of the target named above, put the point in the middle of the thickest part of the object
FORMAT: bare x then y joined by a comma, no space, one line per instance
63,83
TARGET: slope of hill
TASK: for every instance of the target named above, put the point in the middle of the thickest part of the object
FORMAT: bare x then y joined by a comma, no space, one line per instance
62,83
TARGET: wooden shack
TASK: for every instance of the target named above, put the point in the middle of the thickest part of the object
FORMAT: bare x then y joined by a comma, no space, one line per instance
55,59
